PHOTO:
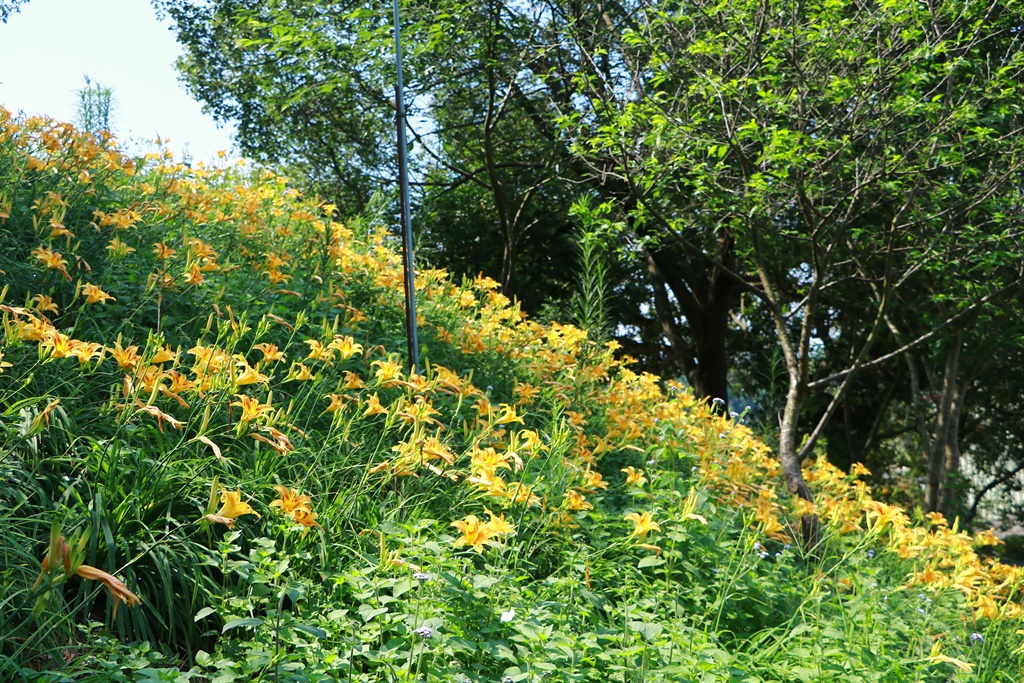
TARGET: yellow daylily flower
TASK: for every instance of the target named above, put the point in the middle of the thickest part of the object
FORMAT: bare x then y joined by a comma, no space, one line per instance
163,252
474,533
497,525
270,352
163,355
52,260
337,403
574,501
45,304
249,375
634,476
346,346
251,407
508,416
94,294
232,506
300,373
594,480
373,406
644,524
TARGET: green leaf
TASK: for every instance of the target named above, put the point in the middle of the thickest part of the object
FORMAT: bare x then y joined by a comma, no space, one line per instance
205,612
650,561
314,631
235,623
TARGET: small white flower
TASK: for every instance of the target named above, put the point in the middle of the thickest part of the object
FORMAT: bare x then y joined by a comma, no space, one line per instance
508,616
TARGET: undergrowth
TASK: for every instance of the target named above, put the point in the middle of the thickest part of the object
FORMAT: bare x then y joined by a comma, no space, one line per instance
216,467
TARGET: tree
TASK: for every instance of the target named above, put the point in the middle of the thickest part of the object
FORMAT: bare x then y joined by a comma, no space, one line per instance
302,80
9,7
799,173
308,86
809,154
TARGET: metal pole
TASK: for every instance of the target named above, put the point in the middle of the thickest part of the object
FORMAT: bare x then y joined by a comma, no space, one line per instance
411,333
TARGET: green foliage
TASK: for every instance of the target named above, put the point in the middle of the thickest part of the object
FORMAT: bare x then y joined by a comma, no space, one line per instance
9,7
95,106
377,580
590,301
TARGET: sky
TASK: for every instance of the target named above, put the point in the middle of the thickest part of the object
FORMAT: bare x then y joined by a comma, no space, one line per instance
48,48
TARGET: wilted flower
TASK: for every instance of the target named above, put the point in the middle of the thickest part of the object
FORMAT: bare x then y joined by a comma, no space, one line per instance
60,554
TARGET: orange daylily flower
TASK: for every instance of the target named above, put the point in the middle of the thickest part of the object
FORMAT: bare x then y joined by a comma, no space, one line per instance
289,500
52,260
160,416
163,252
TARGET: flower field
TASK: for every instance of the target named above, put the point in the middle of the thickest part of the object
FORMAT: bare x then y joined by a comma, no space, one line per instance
215,467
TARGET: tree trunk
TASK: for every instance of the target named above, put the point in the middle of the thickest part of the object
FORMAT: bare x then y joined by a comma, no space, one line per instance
508,268
943,429
951,450
789,457
704,300
710,375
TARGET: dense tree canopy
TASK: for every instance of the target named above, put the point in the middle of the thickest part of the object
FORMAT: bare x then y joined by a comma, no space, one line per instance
835,186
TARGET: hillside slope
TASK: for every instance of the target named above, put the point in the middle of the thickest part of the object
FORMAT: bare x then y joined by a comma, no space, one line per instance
203,394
